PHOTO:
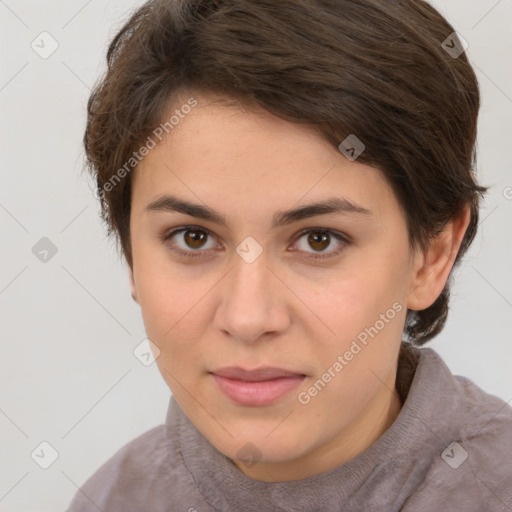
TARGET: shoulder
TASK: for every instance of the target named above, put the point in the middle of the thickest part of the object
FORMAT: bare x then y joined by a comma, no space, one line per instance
486,434
486,424
136,474
474,471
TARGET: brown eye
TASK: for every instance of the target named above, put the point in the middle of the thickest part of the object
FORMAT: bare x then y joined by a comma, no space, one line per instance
319,241
189,241
192,242
195,238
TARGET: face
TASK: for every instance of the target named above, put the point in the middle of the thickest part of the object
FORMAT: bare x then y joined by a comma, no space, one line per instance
278,333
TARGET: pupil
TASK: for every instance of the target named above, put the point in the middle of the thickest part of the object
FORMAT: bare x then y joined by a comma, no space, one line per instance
195,238
318,238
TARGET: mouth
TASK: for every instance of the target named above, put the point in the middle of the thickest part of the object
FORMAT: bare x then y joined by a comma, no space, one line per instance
259,387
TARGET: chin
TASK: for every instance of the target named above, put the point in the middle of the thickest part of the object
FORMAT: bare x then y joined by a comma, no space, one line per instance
255,444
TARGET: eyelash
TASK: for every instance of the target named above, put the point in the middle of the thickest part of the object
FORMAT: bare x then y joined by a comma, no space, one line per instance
165,237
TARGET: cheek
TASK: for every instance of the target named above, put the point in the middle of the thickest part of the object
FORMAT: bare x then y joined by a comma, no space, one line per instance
361,305
166,298
172,322
349,302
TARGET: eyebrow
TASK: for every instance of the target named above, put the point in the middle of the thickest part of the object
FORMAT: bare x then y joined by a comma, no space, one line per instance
169,203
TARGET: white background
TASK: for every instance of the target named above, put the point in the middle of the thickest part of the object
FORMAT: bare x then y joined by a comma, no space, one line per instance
69,326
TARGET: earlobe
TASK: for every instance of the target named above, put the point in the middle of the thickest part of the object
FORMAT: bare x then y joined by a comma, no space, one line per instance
432,267
132,285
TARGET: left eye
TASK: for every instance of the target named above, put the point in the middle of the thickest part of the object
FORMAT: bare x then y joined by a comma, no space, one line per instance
320,239
193,241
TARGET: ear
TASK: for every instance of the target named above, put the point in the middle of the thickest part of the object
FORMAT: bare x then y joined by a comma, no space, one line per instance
432,267
132,284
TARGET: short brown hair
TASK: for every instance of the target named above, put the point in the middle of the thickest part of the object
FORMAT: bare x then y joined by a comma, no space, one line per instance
373,68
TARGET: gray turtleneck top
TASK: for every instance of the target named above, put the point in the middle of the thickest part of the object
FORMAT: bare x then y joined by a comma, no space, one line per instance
449,449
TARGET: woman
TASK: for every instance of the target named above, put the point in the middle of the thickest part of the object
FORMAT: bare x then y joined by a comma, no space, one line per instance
291,184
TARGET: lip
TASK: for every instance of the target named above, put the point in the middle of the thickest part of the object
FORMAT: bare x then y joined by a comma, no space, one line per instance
259,387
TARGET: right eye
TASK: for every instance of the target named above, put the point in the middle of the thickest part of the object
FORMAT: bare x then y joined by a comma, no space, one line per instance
192,240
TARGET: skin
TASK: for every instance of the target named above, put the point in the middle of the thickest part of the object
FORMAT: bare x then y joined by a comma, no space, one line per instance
285,309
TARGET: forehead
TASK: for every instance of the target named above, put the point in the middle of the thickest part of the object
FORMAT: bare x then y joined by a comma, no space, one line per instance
233,155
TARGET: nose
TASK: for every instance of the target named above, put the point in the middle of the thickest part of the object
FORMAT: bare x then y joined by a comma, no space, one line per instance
253,301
